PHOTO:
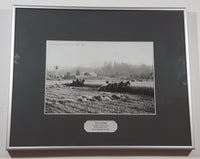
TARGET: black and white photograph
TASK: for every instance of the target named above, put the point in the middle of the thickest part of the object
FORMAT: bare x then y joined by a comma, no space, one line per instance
99,77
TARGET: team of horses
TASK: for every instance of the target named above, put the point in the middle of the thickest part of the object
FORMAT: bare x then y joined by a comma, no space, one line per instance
115,86
109,86
78,82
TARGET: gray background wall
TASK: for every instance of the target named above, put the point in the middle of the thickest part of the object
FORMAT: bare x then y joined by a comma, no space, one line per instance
193,16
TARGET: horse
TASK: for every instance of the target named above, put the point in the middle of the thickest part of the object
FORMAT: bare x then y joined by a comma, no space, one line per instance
81,82
78,82
128,83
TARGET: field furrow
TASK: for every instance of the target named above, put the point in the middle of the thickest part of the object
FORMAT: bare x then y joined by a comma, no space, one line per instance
62,99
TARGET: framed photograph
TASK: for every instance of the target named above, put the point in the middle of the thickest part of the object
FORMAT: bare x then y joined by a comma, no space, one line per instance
86,77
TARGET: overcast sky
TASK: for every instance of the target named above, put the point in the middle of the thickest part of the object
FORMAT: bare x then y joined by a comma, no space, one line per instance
69,54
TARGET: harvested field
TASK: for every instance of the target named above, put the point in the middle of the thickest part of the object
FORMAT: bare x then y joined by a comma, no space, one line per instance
61,99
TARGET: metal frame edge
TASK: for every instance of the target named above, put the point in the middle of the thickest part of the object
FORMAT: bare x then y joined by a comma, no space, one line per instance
11,78
189,79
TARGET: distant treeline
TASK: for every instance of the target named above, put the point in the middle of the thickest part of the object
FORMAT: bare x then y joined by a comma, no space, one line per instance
126,70
114,70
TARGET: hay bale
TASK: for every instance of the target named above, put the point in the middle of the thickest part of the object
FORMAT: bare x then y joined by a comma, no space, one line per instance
115,96
99,98
107,98
62,101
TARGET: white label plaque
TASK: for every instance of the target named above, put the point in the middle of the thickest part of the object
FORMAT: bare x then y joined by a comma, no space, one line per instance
100,126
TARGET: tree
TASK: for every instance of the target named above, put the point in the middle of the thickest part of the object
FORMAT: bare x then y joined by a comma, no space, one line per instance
67,75
86,74
56,67
78,73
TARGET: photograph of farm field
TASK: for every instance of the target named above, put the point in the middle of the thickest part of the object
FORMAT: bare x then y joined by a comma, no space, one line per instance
99,77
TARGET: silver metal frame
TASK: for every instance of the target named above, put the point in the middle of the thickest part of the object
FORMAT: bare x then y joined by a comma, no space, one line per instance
8,147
